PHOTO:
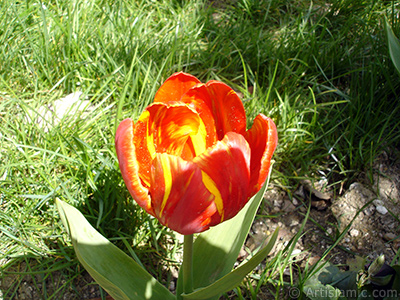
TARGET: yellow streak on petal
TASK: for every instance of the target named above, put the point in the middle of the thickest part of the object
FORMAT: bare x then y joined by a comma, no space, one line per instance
149,134
212,188
167,180
199,139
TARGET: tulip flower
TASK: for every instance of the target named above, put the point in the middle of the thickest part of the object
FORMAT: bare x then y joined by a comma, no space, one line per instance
189,160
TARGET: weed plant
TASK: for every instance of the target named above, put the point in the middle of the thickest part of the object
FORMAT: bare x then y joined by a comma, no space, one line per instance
320,69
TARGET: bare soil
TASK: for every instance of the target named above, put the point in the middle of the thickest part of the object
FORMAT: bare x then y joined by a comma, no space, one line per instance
371,205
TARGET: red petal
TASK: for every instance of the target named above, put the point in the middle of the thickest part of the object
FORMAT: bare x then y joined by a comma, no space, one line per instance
129,166
226,107
227,164
262,138
174,87
197,99
168,128
179,197
172,125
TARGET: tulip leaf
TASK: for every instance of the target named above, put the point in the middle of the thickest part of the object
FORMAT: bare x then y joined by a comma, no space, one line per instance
112,269
215,251
394,46
234,278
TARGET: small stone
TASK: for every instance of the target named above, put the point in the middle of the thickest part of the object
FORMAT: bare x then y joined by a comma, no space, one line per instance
287,272
319,205
396,245
389,236
309,186
278,203
369,210
296,252
378,202
354,232
242,253
300,193
288,206
313,260
360,245
294,223
382,210
354,186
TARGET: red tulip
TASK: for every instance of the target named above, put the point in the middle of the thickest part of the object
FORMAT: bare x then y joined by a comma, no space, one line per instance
189,160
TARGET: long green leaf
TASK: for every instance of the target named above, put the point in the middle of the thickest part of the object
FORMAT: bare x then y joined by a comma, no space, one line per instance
216,250
115,271
234,278
394,46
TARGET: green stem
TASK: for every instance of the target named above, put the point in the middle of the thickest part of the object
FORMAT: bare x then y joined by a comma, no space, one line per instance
188,264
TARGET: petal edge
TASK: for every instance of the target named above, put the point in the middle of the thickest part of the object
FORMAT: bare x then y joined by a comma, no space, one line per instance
174,87
128,164
227,109
263,139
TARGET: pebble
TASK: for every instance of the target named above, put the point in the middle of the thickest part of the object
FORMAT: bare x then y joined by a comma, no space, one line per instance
360,245
296,252
242,253
278,203
276,209
368,211
388,236
288,206
319,205
313,260
382,210
287,272
354,232
354,186
300,192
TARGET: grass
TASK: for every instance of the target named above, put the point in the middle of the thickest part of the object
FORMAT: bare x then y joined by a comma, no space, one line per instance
320,69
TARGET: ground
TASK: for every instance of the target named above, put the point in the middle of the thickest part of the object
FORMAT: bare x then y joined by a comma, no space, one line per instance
373,232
